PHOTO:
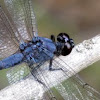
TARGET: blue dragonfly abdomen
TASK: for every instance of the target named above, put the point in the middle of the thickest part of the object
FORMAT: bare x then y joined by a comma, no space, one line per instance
11,61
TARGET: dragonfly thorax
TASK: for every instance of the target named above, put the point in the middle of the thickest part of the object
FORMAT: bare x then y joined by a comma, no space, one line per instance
38,50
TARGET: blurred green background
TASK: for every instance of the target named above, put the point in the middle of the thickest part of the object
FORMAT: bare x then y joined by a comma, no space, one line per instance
79,18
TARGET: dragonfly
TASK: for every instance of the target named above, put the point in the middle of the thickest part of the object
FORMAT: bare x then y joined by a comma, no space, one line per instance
24,52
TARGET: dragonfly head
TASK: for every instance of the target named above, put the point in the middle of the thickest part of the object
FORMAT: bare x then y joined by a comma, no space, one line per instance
65,44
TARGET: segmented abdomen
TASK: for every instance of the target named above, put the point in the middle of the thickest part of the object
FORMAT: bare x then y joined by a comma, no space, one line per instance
11,61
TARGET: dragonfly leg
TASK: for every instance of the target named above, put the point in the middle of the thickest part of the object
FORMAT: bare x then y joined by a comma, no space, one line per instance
39,81
33,72
53,38
53,69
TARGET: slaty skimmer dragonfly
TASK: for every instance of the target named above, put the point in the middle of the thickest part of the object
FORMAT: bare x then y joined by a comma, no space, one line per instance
20,43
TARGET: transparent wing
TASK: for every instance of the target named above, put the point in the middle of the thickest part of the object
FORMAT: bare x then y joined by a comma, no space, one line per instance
17,23
74,88
17,73
38,74
22,15
22,71
8,40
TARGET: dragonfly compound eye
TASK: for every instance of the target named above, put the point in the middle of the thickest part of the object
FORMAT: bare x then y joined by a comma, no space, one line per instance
63,37
66,49
68,43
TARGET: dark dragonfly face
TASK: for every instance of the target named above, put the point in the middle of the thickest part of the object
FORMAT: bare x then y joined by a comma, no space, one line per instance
24,51
66,43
